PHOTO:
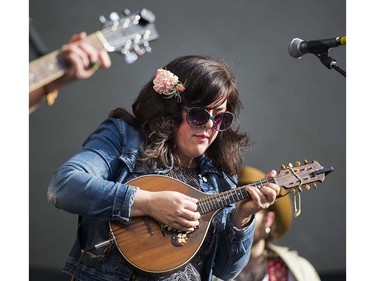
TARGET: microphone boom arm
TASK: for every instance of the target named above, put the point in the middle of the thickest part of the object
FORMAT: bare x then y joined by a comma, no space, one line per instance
329,62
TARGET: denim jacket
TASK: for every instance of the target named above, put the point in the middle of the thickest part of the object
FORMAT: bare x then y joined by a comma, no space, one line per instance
93,185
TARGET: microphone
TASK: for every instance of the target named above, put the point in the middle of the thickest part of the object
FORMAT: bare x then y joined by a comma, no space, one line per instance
298,47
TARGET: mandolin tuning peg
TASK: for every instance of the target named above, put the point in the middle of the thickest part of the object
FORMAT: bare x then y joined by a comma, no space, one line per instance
315,185
290,165
299,188
297,164
307,187
305,161
282,167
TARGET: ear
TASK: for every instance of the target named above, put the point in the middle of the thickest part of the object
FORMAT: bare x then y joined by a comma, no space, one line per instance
269,219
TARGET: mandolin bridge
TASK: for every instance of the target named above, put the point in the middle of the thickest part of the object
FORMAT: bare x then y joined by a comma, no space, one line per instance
179,238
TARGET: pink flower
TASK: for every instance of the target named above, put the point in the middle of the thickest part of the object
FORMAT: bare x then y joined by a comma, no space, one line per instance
165,82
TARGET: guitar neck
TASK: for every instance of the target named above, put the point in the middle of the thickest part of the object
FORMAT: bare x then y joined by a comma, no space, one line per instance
214,202
52,66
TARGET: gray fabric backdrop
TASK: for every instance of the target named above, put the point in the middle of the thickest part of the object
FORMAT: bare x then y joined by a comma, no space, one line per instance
293,109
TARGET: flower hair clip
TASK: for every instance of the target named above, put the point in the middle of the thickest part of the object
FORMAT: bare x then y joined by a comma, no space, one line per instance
167,84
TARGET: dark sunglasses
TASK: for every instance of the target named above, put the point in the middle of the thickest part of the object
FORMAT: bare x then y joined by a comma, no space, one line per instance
198,117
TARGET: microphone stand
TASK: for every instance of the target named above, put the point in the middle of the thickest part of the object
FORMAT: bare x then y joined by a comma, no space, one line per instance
36,41
329,62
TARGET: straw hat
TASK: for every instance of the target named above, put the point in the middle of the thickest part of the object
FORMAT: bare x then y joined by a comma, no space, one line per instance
282,207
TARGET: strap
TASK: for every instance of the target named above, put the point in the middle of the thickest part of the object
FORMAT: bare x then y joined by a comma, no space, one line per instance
277,270
79,235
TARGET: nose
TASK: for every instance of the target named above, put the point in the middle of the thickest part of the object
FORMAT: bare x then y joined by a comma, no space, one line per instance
210,122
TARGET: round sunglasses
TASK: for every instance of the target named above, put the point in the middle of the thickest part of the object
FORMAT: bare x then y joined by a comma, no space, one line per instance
198,117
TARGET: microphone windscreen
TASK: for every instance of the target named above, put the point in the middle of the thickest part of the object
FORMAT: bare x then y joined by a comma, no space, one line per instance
294,48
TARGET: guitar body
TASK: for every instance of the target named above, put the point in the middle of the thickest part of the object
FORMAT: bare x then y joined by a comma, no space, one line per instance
145,245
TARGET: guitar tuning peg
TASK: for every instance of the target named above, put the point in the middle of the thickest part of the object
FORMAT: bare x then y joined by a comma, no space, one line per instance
126,12
130,57
290,165
147,16
146,47
292,190
315,185
139,50
297,164
146,35
282,167
307,187
305,161
114,16
102,19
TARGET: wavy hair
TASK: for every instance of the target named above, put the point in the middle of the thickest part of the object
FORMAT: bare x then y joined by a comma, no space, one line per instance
209,82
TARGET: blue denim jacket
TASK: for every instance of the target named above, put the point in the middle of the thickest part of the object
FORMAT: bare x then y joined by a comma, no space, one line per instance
92,184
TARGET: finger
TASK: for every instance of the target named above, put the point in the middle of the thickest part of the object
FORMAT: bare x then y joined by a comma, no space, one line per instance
269,192
89,51
255,195
78,37
274,187
188,226
97,59
77,66
260,198
76,56
190,203
105,60
271,173
191,216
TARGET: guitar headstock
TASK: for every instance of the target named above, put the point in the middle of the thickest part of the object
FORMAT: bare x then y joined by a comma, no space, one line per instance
129,34
291,177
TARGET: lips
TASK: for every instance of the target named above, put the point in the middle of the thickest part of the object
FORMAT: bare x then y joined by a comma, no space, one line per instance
202,138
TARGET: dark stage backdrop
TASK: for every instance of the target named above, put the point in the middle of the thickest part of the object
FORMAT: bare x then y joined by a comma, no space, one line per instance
293,109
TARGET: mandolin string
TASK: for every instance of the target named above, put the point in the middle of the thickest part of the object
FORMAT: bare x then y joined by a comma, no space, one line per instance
213,202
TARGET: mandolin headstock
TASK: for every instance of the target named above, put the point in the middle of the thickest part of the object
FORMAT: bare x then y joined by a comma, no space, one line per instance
291,177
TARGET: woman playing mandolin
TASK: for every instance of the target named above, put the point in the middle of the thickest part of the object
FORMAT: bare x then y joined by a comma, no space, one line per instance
151,188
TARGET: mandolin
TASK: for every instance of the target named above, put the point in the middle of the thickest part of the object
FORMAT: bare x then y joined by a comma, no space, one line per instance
157,249
129,35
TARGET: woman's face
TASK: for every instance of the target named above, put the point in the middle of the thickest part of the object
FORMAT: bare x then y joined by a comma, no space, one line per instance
193,142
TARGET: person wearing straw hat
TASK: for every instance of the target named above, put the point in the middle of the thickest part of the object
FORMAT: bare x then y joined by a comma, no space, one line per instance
269,262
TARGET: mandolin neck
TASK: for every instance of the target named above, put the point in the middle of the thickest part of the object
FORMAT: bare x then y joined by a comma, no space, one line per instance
214,202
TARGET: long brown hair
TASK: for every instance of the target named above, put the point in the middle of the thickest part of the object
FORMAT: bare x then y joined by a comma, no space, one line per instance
208,82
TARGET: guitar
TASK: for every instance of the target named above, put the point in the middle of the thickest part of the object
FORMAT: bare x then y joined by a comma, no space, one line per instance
157,249
129,35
